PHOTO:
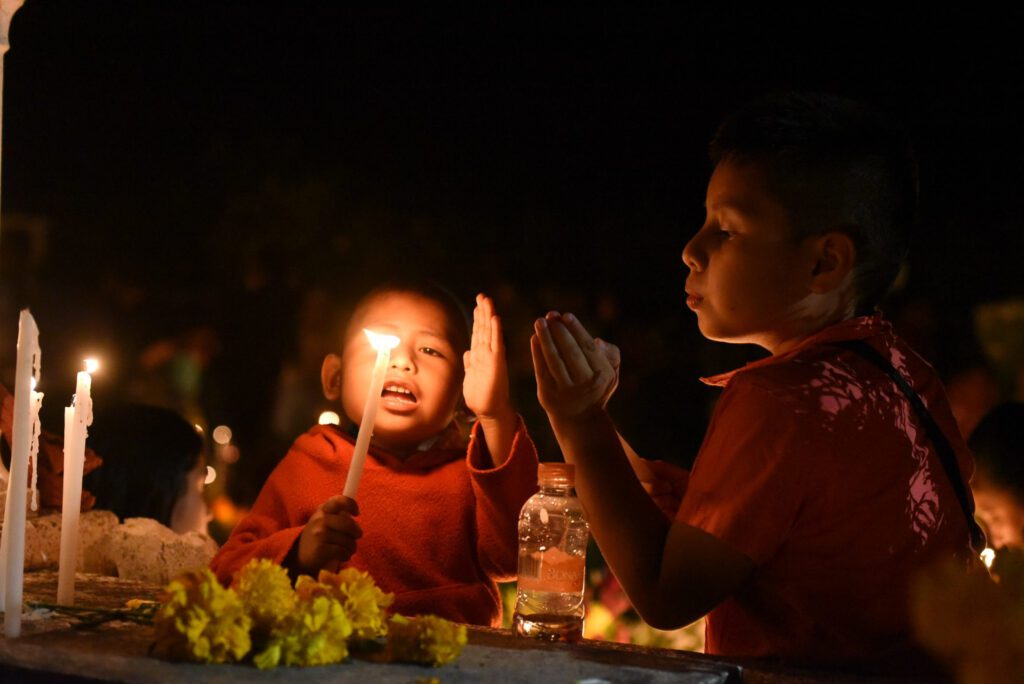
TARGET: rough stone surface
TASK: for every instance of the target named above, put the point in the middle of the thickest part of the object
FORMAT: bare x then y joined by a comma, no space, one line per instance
92,555
143,549
140,549
42,541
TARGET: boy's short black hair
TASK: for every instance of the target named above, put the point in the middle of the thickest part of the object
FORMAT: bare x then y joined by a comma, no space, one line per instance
460,325
834,164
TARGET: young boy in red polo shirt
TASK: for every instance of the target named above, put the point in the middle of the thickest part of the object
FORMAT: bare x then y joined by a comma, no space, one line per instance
819,489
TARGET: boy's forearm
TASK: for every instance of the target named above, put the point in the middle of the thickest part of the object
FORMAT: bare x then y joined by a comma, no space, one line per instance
673,573
499,432
628,526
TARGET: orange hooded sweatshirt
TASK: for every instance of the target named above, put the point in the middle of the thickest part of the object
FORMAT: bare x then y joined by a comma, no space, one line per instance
439,527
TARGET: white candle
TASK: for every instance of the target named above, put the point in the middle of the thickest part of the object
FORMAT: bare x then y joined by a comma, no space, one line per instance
76,419
17,483
383,344
34,406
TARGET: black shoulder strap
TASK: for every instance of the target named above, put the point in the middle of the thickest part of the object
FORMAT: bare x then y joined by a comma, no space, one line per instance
942,446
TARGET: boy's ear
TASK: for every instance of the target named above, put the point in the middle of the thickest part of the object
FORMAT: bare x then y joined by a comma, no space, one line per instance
330,377
836,256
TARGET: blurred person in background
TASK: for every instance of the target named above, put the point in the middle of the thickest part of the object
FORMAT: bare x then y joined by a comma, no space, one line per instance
153,467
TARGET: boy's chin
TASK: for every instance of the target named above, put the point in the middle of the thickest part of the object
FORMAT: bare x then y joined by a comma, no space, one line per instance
398,438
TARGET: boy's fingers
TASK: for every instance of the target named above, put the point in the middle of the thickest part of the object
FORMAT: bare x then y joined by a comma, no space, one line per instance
486,314
610,351
497,340
576,361
337,538
475,338
596,352
341,551
342,524
339,503
551,354
540,365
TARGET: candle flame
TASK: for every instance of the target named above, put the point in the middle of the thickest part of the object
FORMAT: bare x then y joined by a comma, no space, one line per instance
91,366
381,342
329,418
987,556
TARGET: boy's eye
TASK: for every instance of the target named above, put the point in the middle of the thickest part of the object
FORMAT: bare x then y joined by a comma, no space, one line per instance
430,351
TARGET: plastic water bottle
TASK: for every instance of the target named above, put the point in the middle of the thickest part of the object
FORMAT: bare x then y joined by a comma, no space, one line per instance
553,534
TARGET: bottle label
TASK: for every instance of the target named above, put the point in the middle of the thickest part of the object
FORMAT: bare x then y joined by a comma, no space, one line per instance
557,572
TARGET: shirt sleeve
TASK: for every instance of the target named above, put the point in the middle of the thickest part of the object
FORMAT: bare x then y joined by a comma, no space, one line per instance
272,526
500,493
746,486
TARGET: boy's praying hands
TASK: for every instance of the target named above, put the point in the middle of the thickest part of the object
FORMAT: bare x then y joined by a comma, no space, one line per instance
586,381
673,573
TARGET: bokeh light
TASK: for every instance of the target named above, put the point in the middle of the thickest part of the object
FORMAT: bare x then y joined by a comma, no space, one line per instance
329,418
230,454
222,434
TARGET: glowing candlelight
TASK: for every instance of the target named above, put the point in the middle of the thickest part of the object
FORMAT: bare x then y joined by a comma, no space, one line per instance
77,418
13,545
383,344
987,556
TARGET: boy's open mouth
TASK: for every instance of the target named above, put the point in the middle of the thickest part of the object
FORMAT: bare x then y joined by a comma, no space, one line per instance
398,395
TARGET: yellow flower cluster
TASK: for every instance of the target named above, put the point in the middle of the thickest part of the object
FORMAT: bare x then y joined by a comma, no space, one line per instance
315,634
201,621
266,590
312,624
364,602
425,639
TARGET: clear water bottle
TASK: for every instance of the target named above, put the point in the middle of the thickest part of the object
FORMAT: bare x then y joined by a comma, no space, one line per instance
553,534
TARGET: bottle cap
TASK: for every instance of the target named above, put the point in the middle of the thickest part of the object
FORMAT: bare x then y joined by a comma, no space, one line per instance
556,474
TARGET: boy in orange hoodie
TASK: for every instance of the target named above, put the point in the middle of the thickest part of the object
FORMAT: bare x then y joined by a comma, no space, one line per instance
436,518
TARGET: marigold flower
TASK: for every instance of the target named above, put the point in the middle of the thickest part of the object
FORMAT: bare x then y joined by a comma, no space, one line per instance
266,591
425,639
364,602
316,633
201,621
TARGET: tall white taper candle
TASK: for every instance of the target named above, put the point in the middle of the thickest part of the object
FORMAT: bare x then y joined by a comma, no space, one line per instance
17,484
383,344
76,419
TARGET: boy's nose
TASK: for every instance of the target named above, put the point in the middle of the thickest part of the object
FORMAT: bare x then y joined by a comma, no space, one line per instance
692,258
400,360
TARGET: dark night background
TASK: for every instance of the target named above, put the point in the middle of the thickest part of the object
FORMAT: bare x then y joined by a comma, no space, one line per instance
185,185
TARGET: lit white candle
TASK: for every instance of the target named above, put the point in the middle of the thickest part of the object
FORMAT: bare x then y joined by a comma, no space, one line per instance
76,419
17,484
383,344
